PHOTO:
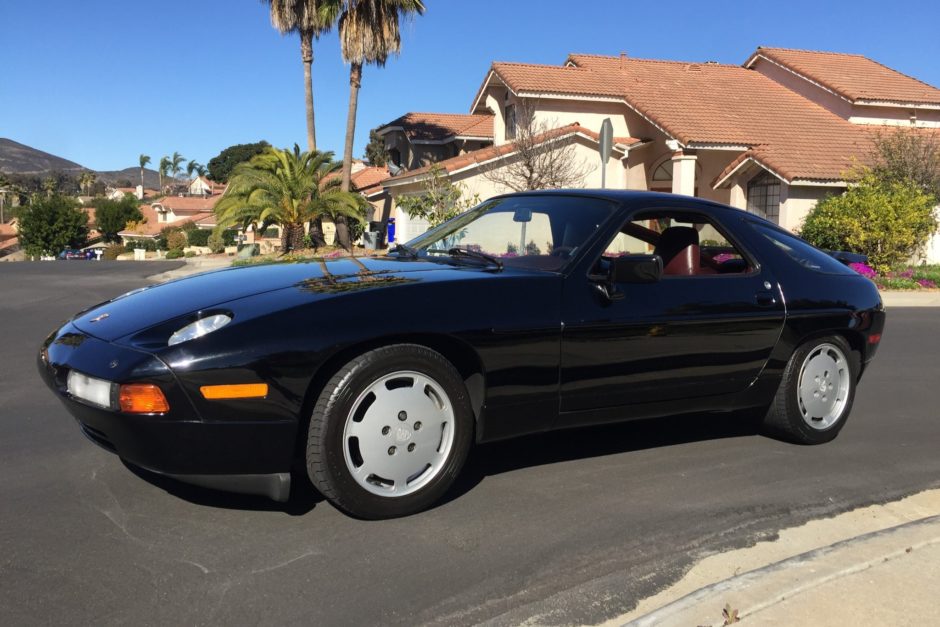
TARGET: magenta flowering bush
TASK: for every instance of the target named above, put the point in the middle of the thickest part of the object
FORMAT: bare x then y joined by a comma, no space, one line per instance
864,269
927,283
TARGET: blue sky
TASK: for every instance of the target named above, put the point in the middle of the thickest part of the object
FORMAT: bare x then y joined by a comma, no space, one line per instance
100,81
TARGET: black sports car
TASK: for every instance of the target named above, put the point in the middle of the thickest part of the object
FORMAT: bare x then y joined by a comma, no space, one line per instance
530,312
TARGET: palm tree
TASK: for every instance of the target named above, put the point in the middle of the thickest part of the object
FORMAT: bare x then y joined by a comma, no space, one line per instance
369,31
289,188
86,180
309,19
176,162
194,166
144,160
164,170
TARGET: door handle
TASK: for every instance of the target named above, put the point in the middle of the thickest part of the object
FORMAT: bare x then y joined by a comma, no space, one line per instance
765,299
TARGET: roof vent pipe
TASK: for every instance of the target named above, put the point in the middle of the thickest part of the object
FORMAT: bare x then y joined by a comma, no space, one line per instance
623,60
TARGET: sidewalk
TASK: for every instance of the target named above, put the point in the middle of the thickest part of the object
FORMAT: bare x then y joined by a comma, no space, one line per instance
194,265
886,576
911,299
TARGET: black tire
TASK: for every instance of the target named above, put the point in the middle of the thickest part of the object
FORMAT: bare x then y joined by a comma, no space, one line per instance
325,455
785,417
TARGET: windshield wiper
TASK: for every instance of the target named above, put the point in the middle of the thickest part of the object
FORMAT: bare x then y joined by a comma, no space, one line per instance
470,254
408,250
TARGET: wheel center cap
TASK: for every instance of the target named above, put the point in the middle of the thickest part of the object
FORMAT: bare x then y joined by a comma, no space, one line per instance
402,434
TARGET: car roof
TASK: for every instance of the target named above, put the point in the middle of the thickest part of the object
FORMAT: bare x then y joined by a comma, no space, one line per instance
625,196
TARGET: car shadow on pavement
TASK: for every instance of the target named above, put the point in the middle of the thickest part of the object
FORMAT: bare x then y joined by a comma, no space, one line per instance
597,441
303,496
496,457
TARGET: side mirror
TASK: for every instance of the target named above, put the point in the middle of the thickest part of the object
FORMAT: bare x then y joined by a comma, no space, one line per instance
636,269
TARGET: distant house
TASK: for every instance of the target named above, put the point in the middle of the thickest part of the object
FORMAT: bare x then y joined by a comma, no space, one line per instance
772,136
172,210
201,186
9,238
419,139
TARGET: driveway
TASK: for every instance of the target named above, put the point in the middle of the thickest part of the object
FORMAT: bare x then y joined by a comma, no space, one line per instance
569,527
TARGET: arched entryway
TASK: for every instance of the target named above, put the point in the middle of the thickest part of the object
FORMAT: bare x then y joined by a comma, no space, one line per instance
661,175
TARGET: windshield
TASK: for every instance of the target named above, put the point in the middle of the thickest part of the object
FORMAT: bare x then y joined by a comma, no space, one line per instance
538,232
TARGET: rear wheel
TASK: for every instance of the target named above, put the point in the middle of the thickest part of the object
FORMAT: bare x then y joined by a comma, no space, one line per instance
816,393
389,432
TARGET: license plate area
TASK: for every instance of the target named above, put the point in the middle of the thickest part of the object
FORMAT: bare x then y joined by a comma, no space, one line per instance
91,390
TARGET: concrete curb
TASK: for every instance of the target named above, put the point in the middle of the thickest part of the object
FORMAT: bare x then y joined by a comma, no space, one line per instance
761,589
910,299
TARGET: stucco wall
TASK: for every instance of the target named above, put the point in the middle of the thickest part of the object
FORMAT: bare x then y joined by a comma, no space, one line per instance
588,114
796,201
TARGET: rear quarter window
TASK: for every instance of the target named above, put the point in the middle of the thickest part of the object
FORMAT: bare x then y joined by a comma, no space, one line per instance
802,252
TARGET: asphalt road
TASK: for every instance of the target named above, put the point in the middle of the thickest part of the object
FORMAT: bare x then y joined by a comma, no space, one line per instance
569,527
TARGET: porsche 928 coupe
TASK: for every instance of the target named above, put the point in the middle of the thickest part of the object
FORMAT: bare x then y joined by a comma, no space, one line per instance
530,312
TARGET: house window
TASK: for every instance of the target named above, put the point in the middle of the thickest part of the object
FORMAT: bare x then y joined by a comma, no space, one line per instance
763,196
510,121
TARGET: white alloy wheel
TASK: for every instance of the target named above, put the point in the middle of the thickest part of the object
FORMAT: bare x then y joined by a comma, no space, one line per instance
823,388
398,434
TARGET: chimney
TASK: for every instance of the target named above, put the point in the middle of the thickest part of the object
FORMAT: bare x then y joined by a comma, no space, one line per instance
623,60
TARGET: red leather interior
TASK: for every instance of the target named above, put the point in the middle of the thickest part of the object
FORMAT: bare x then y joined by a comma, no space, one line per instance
678,247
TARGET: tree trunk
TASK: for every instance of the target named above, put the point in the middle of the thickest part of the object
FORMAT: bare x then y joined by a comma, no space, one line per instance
141,181
355,81
306,53
317,238
296,235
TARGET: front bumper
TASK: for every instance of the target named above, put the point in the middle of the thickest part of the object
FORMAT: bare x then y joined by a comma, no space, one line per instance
249,455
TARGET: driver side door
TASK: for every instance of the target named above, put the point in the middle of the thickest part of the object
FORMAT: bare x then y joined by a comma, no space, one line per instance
702,333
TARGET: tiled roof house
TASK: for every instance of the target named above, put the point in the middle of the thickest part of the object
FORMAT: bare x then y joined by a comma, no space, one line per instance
791,120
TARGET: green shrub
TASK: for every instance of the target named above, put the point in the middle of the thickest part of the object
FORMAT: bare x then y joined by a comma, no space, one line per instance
228,237
174,253
890,222
189,253
111,252
215,242
199,237
147,244
176,240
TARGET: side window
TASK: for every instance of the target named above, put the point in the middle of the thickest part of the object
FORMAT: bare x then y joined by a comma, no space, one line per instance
689,244
802,252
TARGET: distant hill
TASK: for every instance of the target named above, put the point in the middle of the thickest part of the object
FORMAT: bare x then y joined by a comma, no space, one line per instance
17,158
151,177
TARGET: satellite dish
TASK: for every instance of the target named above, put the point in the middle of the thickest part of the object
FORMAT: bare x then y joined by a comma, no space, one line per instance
394,170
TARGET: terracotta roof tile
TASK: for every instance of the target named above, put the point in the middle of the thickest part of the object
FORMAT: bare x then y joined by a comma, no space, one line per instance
366,180
852,76
707,104
150,226
440,126
184,204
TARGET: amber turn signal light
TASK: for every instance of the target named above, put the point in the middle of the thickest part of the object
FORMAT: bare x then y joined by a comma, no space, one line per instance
142,398
242,390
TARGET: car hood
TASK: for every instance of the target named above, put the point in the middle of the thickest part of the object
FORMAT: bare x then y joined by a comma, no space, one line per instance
146,307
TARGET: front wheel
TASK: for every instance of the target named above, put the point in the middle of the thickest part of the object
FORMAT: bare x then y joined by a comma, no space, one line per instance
390,432
815,396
